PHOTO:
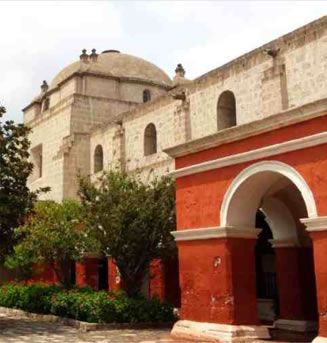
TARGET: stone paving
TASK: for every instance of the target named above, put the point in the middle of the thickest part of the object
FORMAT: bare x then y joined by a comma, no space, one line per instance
15,329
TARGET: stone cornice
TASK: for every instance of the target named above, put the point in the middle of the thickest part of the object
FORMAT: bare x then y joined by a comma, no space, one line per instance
215,233
273,122
315,224
267,151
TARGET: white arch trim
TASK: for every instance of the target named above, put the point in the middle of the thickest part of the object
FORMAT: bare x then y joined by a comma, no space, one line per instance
270,166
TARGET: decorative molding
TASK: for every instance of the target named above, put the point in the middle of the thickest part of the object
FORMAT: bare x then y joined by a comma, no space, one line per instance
315,224
287,117
215,233
273,166
296,325
267,151
212,332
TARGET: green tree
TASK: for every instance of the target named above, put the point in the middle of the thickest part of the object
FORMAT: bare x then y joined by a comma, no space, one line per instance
54,233
132,221
15,197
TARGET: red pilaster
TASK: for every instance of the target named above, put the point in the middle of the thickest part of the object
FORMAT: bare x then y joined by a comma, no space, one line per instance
114,279
217,278
320,260
157,279
87,273
296,283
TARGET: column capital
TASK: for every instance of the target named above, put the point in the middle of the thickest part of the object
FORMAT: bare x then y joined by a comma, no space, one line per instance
315,224
215,233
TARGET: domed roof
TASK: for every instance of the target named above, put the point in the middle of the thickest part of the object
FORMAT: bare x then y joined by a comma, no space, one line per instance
114,63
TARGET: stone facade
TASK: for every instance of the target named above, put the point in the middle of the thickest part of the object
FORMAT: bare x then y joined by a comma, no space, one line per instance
99,102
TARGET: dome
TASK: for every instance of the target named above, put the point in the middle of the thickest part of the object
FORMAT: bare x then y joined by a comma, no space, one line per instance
113,63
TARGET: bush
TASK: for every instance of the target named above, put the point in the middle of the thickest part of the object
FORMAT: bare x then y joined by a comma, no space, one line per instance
84,304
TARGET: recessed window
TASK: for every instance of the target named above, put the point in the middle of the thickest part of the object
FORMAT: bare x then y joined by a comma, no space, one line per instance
46,104
226,110
146,96
98,159
150,140
37,160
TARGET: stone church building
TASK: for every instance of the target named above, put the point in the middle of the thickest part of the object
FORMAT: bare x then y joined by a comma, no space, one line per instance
246,143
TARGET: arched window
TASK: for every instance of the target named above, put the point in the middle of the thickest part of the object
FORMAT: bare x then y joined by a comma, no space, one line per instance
98,159
146,96
226,110
150,140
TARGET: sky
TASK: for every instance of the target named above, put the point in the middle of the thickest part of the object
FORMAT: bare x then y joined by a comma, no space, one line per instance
40,38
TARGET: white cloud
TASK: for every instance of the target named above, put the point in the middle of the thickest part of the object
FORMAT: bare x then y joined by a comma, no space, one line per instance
39,38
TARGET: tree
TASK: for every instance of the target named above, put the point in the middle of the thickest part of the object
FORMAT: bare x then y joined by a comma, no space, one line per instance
132,221
15,197
53,234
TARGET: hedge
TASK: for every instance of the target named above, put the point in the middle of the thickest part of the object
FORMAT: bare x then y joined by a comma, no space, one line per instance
84,304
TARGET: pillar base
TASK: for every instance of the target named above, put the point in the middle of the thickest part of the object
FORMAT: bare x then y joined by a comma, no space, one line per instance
320,339
212,332
296,325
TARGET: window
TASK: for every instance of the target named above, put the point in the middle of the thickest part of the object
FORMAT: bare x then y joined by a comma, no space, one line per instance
150,140
37,160
146,96
98,159
226,110
46,104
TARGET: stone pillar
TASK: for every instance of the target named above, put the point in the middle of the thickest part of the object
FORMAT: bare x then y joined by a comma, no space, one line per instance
114,280
157,279
317,228
296,287
118,145
217,276
87,273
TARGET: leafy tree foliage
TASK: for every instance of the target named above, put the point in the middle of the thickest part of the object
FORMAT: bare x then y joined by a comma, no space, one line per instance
15,198
132,221
53,234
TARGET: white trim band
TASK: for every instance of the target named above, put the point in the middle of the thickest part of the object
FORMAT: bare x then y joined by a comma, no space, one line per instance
315,224
267,151
214,233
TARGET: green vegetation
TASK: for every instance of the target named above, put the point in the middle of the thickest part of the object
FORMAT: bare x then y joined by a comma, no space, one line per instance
16,200
53,234
132,221
84,304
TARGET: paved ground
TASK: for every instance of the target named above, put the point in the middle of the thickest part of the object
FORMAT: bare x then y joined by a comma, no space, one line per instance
21,330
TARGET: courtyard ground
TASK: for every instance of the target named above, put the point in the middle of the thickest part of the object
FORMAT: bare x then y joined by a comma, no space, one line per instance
15,329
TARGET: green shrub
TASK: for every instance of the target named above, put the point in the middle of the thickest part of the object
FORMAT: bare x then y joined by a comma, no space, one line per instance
84,304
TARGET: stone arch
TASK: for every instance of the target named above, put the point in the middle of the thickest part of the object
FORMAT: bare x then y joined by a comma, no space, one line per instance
146,95
226,110
98,158
150,140
250,186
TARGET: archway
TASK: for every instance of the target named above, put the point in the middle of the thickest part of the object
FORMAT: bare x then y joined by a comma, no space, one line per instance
283,197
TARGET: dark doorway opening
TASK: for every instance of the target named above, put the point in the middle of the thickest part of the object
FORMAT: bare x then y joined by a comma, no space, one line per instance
103,273
267,288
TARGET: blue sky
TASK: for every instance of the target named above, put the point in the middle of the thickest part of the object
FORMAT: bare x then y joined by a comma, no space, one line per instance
39,38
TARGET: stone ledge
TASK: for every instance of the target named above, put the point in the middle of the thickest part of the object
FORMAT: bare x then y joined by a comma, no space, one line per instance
82,326
212,332
296,325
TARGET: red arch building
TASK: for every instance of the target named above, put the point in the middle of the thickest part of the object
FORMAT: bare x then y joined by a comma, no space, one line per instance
278,166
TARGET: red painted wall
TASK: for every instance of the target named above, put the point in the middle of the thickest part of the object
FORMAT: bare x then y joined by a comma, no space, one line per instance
226,293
